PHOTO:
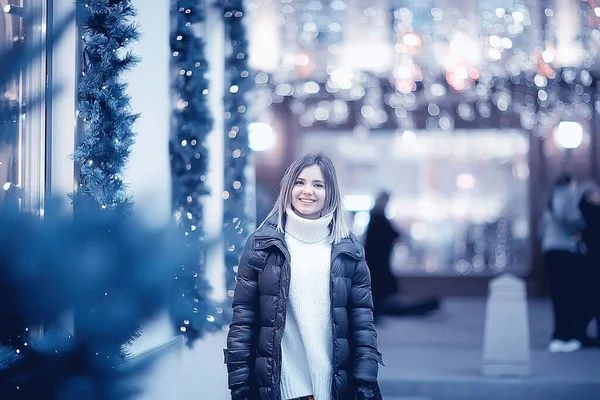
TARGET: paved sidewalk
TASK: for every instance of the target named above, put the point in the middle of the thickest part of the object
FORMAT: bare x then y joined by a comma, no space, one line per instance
432,358
439,358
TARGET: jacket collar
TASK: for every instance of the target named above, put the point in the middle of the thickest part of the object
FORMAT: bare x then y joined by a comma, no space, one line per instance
267,235
268,230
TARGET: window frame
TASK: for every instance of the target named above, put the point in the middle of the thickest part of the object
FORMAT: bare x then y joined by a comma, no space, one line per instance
26,182
33,140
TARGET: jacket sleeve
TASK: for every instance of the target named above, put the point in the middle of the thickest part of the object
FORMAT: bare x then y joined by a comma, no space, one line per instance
363,335
243,328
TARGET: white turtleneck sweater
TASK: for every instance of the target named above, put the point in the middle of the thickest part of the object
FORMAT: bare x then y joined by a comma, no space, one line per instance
307,339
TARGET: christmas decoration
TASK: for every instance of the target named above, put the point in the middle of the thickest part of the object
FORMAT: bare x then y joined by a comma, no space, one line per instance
238,84
192,122
51,267
105,115
103,105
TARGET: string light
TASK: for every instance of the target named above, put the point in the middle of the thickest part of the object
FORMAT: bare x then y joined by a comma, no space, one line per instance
192,122
439,79
236,141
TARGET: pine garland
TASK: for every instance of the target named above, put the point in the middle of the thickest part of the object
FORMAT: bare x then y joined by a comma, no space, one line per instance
59,264
238,85
107,136
103,105
192,122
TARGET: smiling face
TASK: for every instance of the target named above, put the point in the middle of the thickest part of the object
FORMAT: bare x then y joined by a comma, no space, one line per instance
308,193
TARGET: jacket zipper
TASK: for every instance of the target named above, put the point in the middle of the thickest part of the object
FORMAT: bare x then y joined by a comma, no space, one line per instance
285,272
278,359
333,358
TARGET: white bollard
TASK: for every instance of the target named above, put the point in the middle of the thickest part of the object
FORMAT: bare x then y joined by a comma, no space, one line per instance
506,344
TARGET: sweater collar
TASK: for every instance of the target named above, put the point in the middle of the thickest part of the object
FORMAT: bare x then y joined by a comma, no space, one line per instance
307,230
267,235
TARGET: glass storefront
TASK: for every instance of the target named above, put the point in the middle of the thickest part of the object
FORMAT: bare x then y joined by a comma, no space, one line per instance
460,198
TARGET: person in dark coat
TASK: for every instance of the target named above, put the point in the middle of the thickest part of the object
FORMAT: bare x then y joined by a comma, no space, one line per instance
559,234
589,205
379,242
302,325
380,238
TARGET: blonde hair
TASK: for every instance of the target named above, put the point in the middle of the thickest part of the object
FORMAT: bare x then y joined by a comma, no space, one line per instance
333,199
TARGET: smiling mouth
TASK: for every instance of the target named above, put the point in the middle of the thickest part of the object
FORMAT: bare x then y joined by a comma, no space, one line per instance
307,201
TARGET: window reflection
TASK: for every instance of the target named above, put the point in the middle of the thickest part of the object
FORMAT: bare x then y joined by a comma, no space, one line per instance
22,113
11,96
460,198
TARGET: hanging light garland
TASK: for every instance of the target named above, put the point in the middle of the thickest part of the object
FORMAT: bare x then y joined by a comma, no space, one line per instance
191,123
238,84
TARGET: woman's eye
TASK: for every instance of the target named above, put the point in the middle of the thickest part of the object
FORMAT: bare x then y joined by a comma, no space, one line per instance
299,182
318,185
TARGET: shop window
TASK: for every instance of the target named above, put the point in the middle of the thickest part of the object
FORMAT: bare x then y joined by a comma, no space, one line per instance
23,110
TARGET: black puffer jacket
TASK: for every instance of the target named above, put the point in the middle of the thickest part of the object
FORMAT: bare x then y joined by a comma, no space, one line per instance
253,354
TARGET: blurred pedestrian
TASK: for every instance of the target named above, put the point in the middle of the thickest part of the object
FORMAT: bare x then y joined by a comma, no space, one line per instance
380,238
590,209
302,324
379,241
559,233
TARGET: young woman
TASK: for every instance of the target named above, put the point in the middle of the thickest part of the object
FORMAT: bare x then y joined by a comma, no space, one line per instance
302,323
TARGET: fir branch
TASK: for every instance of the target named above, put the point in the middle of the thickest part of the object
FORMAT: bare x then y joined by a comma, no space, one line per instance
107,136
53,266
104,106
